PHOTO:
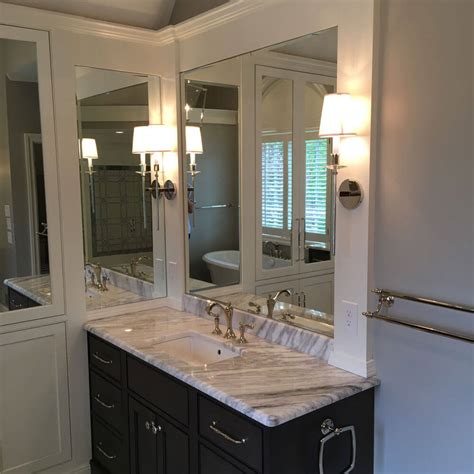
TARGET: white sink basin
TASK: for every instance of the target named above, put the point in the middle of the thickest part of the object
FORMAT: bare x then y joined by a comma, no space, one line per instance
197,349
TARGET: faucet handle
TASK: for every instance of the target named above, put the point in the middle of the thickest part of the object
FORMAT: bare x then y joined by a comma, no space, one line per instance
217,330
242,327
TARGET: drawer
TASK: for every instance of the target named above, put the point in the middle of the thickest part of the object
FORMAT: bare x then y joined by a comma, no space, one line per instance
209,462
108,450
104,357
231,432
158,389
106,401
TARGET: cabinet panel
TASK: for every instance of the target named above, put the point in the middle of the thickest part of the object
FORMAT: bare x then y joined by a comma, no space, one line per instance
108,449
106,401
158,389
105,357
34,399
231,432
318,293
211,463
156,446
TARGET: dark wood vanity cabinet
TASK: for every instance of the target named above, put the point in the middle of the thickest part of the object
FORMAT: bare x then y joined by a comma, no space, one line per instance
147,422
16,300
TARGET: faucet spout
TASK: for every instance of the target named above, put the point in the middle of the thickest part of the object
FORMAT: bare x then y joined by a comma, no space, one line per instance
272,300
228,311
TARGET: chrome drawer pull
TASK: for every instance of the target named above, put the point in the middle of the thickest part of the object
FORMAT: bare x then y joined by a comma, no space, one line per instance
96,356
101,451
98,400
328,427
214,428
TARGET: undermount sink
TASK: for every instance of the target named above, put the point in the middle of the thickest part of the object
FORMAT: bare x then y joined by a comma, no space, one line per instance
197,349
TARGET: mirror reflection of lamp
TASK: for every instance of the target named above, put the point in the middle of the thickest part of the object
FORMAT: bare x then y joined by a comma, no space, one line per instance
193,147
140,147
160,139
336,123
88,149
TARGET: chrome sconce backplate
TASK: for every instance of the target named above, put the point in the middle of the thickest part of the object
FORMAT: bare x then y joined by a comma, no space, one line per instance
350,194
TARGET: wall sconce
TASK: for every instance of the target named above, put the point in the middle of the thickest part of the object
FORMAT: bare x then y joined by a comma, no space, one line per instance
140,147
336,123
88,150
193,147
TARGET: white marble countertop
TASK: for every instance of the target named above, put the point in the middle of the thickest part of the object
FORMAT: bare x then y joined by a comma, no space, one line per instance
38,288
269,383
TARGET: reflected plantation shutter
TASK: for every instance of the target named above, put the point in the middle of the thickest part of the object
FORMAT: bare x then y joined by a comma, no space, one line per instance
316,186
273,159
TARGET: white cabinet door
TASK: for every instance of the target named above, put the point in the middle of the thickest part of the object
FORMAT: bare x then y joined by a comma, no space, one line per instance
318,293
34,411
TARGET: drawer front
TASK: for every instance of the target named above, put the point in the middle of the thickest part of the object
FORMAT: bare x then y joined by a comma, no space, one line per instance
104,357
231,432
106,401
209,463
158,389
108,450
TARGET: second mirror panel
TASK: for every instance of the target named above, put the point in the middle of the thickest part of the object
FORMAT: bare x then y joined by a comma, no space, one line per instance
286,266
124,247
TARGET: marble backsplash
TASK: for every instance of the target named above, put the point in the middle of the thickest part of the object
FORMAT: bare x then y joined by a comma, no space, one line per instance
301,340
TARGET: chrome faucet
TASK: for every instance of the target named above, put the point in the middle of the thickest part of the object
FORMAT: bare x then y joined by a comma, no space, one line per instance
98,280
134,263
271,301
228,311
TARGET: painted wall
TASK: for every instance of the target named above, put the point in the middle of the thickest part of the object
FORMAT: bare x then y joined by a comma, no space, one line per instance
425,235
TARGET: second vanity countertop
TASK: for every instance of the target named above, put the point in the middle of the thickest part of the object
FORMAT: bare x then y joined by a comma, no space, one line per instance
269,383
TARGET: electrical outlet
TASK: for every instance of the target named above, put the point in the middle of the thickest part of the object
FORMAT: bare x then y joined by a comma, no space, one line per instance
351,316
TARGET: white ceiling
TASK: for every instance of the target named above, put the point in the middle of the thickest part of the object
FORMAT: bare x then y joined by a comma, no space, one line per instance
153,14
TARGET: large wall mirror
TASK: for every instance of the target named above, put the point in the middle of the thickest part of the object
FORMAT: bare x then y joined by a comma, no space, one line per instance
123,223
281,91
29,272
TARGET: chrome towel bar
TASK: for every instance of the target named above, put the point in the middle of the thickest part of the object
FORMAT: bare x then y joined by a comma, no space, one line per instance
387,299
217,206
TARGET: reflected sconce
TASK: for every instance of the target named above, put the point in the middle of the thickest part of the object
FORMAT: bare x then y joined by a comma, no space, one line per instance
193,147
160,139
337,122
89,153
140,146
88,150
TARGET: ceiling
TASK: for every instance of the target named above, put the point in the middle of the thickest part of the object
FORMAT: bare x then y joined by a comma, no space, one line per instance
151,14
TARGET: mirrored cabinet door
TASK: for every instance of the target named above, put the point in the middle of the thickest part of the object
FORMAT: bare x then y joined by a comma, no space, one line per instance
277,225
30,247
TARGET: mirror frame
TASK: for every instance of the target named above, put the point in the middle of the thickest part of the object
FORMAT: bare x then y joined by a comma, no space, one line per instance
50,163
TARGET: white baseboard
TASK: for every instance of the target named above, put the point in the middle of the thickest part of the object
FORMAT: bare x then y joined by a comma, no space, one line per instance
362,367
86,469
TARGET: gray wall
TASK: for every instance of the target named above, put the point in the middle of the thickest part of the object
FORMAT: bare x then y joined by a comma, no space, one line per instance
425,235
218,183
185,9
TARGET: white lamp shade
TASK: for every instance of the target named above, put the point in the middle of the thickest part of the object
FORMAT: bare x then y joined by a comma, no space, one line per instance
193,140
153,139
89,149
337,116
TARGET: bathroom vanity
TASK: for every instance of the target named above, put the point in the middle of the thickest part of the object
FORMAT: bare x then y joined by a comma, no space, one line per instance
158,407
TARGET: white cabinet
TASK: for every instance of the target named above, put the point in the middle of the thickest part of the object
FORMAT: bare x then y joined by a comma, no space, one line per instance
34,410
312,292
293,205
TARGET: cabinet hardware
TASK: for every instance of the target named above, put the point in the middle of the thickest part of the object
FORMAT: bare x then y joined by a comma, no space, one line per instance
100,402
155,429
104,453
96,356
328,429
303,240
304,299
213,427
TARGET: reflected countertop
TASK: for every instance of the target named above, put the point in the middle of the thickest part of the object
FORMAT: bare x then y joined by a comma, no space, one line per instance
38,289
269,383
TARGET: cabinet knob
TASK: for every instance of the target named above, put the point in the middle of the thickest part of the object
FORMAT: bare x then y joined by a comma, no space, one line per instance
155,429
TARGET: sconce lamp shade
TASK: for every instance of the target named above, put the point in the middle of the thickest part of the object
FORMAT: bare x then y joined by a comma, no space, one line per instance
337,116
193,140
153,139
89,149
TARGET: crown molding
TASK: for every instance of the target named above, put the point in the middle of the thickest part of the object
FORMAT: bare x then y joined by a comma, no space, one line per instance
216,17
34,18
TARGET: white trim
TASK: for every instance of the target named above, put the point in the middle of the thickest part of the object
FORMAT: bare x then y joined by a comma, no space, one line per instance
84,469
343,360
